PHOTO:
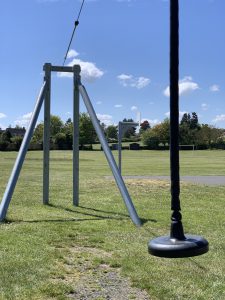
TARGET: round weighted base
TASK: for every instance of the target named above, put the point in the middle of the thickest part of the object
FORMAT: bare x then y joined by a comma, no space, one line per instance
166,246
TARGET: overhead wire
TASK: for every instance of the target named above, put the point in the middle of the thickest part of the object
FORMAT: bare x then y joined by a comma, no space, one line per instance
74,29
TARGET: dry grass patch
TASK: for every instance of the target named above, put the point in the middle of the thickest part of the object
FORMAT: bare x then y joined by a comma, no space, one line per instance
88,272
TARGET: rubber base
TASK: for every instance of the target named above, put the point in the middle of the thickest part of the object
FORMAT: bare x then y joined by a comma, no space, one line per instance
165,246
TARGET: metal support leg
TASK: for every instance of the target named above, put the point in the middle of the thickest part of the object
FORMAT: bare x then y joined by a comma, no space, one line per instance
76,104
120,147
46,140
21,156
110,158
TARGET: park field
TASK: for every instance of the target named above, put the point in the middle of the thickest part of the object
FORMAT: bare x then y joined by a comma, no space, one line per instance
50,251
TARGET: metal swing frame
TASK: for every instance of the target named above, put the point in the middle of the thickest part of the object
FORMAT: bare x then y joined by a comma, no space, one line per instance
45,96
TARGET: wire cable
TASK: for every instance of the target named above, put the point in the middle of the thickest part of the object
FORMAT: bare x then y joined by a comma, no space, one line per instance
74,29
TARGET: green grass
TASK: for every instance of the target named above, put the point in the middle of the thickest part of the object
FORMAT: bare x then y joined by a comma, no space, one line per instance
36,240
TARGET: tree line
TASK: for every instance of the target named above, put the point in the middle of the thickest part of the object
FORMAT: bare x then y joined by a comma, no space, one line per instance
202,136
191,132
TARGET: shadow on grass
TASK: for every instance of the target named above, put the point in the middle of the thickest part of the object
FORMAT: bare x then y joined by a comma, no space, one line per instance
93,216
200,266
143,220
90,214
56,220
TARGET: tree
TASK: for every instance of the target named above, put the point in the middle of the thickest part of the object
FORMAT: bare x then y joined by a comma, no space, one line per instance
208,134
17,140
38,133
189,127
56,125
87,131
150,139
194,121
5,140
68,131
60,140
186,119
144,126
6,136
111,132
162,131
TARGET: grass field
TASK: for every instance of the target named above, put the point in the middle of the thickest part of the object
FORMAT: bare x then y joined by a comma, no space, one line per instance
43,248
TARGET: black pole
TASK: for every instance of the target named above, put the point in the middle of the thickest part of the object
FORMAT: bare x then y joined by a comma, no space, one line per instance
176,244
176,225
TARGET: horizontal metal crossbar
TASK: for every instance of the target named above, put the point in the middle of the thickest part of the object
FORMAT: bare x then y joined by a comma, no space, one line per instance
65,69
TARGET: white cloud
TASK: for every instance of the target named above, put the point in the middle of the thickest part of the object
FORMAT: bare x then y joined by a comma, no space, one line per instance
186,86
106,119
72,53
89,71
204,106
24,120
118,105
214,88
124,77
131,81
133,108
99,102
219,118
2,115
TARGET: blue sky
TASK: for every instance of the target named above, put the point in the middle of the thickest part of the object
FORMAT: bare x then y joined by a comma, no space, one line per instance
123,49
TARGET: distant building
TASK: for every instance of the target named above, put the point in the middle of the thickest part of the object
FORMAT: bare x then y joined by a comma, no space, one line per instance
16,131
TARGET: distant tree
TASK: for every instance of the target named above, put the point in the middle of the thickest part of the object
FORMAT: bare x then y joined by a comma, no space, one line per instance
68,131
186,119
5,140
87,131
150,138
17,140
144,126
6,136
38,133
194,121
189,126
56,125
111,132
208,134
162,131
19,127
60,140
68,121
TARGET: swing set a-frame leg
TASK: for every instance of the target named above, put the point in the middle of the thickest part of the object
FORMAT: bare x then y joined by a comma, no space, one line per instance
118,178
21,155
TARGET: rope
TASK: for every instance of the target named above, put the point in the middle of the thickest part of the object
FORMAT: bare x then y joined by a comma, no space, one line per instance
74,29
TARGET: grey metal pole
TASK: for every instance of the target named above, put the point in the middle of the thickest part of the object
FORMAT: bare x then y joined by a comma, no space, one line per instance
46,140
120,147
76,104
110,158
21,155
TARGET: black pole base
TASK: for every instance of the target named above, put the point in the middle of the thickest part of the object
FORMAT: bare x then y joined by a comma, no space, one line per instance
165,246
